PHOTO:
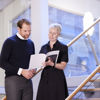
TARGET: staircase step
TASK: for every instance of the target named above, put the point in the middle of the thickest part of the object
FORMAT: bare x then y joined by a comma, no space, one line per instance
88,99
85,90
92,80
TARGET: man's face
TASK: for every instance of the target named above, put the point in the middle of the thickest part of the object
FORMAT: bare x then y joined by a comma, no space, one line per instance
25,31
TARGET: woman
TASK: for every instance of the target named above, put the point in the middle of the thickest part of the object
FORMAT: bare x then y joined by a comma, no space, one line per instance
52,84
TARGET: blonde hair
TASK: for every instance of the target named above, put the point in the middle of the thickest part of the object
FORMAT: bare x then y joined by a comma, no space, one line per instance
57,26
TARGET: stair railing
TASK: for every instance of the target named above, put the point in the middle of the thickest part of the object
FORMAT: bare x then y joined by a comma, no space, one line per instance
83,84
81,34
93,73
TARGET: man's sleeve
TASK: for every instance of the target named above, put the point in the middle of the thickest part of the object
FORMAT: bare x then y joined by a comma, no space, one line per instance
5,56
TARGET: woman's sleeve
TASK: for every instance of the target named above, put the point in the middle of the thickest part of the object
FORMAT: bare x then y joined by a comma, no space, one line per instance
64,54
42,50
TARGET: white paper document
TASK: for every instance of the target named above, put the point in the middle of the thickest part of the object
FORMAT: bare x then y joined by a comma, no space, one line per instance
37,60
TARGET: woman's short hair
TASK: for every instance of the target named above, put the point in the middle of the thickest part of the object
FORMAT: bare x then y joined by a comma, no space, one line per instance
57,26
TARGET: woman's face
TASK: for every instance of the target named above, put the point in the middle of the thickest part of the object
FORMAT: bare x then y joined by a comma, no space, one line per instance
53,34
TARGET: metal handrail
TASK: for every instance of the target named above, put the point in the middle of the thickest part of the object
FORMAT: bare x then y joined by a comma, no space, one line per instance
81,34
93,73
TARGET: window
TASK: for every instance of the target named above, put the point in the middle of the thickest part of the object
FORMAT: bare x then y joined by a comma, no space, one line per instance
81,58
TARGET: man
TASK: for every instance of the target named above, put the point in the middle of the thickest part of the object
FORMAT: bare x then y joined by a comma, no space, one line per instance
14,59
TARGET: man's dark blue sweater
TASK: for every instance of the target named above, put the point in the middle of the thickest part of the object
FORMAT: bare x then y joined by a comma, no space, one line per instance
15,54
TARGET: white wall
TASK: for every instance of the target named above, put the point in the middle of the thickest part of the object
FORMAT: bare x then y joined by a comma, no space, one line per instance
1,70
6,17
0,31
9,13
39,16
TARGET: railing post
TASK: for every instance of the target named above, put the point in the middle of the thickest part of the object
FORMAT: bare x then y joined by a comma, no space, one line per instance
93,50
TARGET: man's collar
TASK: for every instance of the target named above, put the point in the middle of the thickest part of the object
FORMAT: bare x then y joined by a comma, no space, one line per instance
19,36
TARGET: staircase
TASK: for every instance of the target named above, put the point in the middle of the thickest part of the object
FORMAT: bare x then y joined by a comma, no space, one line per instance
89,89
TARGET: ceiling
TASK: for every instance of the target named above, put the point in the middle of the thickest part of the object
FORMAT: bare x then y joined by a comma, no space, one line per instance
4,3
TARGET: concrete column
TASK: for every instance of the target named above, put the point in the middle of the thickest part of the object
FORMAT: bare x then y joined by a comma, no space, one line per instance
39,19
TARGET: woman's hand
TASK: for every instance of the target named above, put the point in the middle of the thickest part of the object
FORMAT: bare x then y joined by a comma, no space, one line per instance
49,62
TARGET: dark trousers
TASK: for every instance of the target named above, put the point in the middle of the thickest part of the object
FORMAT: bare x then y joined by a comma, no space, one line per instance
18,88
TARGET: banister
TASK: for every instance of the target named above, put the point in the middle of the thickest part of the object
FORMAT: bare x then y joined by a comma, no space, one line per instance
81,34
93,50
83,84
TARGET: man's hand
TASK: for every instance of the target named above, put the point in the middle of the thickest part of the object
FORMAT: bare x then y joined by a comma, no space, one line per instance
28,74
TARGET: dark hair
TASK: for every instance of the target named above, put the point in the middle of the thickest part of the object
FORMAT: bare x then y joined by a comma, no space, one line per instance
23,21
